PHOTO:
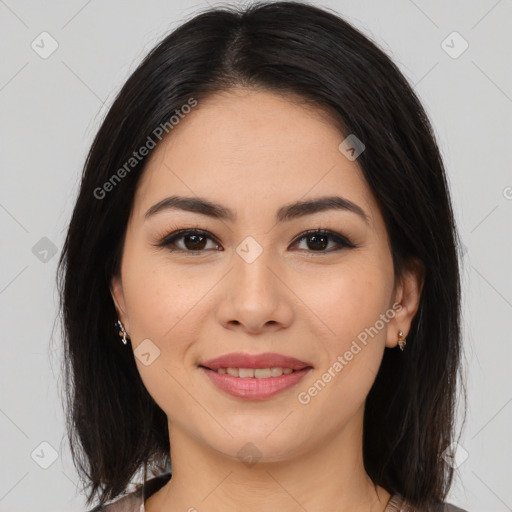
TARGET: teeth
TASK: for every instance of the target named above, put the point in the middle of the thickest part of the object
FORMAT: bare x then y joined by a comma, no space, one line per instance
258,373
244,373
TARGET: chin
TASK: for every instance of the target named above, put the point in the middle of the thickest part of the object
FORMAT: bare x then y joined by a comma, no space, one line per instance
258,447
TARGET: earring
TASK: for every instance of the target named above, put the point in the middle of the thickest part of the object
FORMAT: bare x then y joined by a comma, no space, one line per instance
401,340
122,331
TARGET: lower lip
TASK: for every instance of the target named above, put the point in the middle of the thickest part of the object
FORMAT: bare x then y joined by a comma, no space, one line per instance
255,389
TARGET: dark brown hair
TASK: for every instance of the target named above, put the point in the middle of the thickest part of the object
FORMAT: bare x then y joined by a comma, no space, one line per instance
115,428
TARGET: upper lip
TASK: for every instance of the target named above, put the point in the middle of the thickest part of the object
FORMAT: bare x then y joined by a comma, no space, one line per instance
266,360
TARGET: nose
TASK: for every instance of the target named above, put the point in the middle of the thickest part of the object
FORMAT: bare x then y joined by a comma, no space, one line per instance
255,297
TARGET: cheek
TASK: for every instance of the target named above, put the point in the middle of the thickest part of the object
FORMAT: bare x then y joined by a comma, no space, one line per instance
162,306
350,303
348,300
167,305
160,296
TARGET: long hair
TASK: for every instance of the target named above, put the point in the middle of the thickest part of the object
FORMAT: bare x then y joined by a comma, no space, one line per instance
114,426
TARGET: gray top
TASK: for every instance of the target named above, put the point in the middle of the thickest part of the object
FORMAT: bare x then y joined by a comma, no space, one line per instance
134,501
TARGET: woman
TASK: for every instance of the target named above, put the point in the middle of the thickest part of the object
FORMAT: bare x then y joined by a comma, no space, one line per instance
265,222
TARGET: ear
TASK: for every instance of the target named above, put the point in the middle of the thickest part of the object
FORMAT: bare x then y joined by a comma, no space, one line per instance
407,296
116,290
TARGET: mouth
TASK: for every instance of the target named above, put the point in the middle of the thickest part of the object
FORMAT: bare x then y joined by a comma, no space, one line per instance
257,373
255,377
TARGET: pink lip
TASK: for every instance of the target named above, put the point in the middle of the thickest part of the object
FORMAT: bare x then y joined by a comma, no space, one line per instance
265,360
253,388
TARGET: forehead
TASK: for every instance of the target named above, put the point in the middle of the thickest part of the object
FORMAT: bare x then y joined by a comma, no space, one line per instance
244,147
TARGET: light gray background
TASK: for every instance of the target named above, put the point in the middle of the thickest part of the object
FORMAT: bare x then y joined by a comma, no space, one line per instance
51,108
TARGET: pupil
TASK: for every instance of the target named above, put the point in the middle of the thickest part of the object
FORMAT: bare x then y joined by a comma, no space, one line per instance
196,244
319,240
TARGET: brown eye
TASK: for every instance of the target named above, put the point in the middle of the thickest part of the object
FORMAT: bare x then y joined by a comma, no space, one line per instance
195,241
318,241
192,240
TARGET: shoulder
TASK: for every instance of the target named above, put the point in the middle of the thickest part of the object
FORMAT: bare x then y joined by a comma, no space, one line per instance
130,503
398,504
453,508
134,501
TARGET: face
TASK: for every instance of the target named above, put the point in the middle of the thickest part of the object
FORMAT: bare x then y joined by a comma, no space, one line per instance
260,279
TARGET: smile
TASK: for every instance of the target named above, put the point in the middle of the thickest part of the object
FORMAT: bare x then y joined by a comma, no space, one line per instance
258,373
255,377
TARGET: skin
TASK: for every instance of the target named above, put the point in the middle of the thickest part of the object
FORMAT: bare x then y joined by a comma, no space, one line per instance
254,152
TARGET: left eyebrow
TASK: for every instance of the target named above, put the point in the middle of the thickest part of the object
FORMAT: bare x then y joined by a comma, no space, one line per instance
301,208
286,213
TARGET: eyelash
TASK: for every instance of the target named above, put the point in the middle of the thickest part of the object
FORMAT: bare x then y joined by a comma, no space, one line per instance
342,241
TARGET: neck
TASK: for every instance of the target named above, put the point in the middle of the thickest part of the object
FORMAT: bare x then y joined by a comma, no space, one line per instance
326,477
